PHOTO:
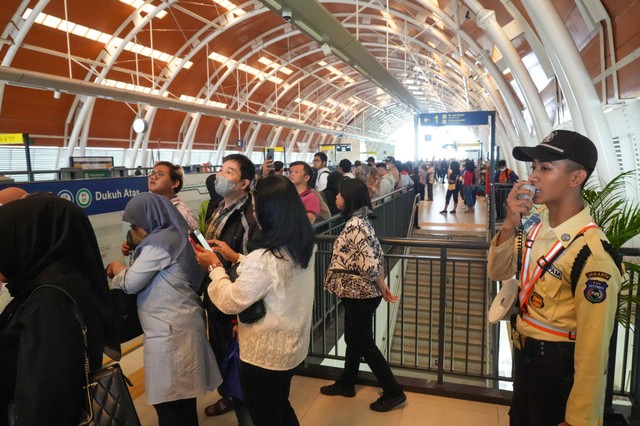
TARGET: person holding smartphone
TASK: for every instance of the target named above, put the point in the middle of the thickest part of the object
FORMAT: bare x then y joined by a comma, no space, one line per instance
179,364
280,273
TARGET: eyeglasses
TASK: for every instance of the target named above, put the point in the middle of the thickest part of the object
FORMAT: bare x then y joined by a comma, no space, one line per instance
157,174
133,227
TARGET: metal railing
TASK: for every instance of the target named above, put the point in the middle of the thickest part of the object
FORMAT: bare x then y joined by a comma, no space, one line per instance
437,337
392,216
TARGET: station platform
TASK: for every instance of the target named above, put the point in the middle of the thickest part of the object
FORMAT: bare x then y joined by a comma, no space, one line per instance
315,409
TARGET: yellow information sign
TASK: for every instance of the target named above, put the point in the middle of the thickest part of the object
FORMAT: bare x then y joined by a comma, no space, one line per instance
11,138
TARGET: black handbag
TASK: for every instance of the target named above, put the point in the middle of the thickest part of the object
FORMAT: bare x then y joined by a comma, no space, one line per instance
253,313
108,401
127,314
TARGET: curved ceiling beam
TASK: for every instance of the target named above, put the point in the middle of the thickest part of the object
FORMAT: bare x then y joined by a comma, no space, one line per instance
313,19
37,80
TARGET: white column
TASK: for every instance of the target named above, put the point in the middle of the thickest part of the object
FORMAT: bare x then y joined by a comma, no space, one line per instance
557,39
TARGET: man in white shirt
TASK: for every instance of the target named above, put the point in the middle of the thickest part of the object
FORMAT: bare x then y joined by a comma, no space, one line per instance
321,169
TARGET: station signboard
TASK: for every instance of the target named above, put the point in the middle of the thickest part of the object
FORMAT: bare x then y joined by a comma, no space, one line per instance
470,118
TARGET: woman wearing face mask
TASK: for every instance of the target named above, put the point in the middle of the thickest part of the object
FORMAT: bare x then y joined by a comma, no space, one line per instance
179,364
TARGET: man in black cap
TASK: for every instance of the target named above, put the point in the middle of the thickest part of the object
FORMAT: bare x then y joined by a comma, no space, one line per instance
569,283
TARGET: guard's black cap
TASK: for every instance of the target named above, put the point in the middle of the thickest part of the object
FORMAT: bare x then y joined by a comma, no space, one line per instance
561,145
390,159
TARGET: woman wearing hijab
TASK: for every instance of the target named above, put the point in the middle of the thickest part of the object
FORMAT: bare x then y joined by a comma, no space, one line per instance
280,273
178,361
356,276
48,245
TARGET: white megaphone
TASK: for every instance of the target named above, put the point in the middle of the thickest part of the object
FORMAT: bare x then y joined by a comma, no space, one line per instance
504,305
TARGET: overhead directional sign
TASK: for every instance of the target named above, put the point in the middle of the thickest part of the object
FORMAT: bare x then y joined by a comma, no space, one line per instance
471,118
12,138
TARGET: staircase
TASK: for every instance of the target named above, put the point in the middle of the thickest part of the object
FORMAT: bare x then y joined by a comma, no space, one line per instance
415,341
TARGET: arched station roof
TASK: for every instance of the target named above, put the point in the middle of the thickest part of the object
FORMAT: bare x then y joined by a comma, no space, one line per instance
204,73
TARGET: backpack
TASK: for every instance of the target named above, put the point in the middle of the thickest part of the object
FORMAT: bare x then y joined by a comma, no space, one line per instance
315,177
325,213
503,177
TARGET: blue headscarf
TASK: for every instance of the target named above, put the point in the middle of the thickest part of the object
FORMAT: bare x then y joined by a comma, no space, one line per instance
167,229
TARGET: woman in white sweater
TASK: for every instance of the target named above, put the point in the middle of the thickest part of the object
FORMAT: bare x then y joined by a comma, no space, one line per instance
279,272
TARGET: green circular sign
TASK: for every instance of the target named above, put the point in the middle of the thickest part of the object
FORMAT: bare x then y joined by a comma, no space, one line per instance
83,198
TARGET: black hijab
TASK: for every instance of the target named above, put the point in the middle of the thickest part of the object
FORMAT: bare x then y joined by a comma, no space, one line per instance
167,229
50,241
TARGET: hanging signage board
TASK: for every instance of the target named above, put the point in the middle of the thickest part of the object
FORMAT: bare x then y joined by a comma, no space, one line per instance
12,138
471,118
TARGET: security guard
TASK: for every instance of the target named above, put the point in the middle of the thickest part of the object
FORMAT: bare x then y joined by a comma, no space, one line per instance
561,335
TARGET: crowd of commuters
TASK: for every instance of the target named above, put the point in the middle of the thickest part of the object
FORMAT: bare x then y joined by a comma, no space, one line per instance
191,301
262,250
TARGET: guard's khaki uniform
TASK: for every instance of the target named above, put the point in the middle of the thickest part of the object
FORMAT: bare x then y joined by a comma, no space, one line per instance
590,313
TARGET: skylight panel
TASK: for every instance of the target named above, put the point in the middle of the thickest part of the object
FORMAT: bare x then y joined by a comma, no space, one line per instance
104,38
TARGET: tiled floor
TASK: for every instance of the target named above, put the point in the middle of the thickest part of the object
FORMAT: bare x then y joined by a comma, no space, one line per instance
459,223
315,409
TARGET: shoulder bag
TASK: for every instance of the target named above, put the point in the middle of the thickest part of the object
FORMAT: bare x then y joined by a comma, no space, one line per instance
108,401
253,313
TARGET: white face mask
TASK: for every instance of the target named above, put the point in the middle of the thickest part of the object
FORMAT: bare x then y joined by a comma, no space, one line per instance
224,187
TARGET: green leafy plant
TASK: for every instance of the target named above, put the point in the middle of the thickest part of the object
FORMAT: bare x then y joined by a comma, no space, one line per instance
619,219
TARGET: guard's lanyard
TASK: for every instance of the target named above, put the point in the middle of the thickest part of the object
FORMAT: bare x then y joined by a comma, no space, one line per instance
528,281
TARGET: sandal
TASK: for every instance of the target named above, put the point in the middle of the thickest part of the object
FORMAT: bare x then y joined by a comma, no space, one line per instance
223,405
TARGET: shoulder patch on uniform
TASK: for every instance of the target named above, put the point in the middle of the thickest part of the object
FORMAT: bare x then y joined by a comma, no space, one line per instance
595,291
598,274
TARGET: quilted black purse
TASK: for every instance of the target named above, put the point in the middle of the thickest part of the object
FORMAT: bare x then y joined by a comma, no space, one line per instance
108,401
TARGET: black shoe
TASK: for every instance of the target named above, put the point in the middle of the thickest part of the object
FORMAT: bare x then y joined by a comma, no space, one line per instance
443,211
336,389
452,211
223,405
388,403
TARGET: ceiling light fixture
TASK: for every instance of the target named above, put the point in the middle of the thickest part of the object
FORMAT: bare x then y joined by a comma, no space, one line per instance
140,125
309,31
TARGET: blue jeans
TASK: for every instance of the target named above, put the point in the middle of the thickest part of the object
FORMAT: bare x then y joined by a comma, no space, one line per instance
469,196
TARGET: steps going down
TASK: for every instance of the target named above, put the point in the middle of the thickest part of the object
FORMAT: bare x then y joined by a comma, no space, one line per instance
415,338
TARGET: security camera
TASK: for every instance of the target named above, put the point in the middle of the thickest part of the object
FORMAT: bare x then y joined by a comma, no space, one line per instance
286,14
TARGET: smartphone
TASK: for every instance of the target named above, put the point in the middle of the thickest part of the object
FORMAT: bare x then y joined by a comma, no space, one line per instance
132,244
270,153
527,196
197,238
